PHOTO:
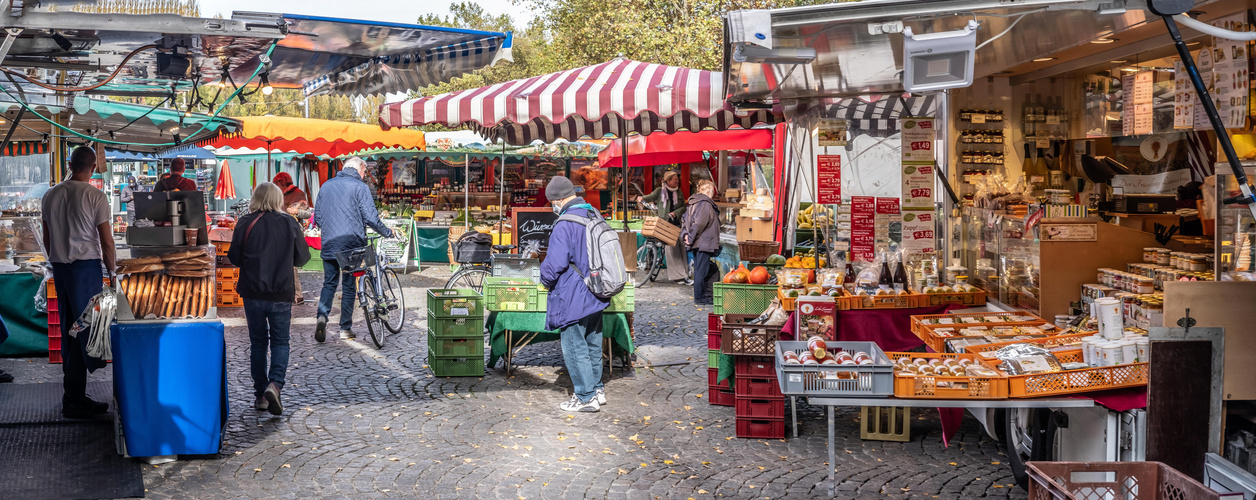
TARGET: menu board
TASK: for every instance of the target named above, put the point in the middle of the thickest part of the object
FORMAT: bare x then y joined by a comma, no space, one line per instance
889,221
530,227
1183,98
1144,89
829,179
918,233
1127,104
918,138
918,186
863,234
1230,72
1204,63
397,248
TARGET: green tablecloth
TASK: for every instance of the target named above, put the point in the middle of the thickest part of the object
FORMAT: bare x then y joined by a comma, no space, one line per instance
614,326
727,367
28,328
433,244
315,263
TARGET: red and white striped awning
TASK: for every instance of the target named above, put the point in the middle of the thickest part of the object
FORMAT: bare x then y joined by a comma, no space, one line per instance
583,102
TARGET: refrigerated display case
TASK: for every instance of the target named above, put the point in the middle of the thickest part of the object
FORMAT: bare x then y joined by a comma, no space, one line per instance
1235,230
1001,257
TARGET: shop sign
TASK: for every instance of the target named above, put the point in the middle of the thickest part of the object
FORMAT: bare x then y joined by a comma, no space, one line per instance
918,138
831,133
863,205
1127,105
828,179
1164,183
919,232
1069,232
917,186
531,226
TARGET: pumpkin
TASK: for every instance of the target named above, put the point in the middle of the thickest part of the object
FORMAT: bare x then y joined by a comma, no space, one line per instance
759,275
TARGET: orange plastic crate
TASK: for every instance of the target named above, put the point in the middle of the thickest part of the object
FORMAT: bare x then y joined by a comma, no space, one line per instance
226,299
856,302
925,319
228,273
1073,381
937,387
937,342
225,286
959,298
1046,342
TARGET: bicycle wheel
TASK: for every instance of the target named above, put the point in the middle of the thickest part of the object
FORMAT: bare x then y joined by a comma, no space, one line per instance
370,310
469,277
393,303
646,259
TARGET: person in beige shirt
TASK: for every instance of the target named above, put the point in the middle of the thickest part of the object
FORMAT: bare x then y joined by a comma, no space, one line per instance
79,243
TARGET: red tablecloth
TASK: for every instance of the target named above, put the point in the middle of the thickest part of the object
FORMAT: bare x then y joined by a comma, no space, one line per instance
889,328
315,243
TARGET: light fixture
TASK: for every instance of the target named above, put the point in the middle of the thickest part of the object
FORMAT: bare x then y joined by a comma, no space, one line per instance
938,61
785,55
1120,61
1131,69
1103,40
266,88
1044,59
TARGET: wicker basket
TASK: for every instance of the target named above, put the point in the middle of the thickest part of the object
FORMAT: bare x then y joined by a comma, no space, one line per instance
757,251
455,232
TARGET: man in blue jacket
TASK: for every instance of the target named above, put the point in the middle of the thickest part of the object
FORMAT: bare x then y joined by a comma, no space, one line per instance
572,308
345,208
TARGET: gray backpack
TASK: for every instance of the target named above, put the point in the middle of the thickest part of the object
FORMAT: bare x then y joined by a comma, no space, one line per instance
607,275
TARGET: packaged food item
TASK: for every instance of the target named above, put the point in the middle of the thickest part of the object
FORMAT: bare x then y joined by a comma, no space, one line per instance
817,347
790,357
975,370
1074,366
1026,359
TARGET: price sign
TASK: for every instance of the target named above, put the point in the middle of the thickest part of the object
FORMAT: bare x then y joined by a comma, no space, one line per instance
917,186
918,232
887,206
918,137
828,179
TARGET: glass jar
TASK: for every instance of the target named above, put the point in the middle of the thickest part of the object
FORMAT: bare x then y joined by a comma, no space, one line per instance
1163,256
1145,285
1149,255
1198,263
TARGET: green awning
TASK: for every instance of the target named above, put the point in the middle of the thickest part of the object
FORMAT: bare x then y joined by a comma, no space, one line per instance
162,117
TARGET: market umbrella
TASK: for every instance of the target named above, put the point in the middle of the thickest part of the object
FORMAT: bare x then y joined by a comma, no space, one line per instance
226,186
682,147
617,97
314,137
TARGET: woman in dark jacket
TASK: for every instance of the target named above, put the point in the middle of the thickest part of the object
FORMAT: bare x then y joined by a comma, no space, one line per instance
701,233
266,246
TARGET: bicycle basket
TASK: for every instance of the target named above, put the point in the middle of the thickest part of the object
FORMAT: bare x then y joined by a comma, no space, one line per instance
473,248
355,260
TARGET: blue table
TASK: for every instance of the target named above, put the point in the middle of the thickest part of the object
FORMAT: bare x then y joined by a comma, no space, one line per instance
170,383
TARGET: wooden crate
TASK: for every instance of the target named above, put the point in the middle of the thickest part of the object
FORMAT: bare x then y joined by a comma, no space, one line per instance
661,230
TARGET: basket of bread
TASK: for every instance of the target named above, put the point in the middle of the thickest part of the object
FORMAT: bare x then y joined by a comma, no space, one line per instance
174,285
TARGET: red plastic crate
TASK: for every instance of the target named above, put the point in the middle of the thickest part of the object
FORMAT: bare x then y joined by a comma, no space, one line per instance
759,388
713,340
54,331
756,367
54,317
714,324
752,408
720,397
54,357
52,305
712,374
54,344
761,428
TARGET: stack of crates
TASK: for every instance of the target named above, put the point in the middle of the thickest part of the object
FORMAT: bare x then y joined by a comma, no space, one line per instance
760,406
455,332
54,326
228,278
717,393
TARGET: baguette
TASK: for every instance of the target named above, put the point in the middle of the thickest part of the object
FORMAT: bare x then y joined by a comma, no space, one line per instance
183,255
172,296
189,274
176,297
132,283
159,298
186,306
200,298
139,261
207,296
141,290
189,307
140,268
182,266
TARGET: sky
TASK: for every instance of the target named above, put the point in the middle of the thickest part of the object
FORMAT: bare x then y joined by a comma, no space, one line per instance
371,10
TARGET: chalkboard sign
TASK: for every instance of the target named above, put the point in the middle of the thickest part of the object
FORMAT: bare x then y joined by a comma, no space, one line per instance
532,225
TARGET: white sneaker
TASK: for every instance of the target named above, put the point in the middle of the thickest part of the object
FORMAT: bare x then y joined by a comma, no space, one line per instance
574,404
601,397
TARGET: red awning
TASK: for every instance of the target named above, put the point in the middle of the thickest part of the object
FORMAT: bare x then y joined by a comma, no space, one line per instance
615,97
682,147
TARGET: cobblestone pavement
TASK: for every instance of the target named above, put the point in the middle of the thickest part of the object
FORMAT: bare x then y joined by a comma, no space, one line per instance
367,423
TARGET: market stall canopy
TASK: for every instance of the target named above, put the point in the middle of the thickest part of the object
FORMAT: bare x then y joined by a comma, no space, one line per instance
187,153
828,51
311,136
682,147
144,128
115,155
371,57
616,97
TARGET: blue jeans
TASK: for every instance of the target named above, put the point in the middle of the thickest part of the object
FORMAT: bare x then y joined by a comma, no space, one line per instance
332,277
582,353
76,283
268,328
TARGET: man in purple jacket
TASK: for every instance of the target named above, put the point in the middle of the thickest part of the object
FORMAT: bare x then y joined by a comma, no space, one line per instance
573,309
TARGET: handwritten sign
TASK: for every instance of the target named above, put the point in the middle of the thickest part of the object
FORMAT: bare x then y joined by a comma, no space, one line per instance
918,138
1165,183
828,179
532,225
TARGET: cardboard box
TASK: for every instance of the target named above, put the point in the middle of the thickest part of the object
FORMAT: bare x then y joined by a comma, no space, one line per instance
750,229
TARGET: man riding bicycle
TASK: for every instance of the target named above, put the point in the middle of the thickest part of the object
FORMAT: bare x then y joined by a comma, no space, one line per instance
345,208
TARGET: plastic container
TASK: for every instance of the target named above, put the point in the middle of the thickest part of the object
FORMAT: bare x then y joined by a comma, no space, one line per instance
443,347
713,340
737,298
713,358
1098,480
740,338
1074,381
755,367
761,388
1111,325
761,428
625,301
455,327
752,408
714,322
514,266
875,380
721,396
456,366
454,303
1143,345
939,387
519,295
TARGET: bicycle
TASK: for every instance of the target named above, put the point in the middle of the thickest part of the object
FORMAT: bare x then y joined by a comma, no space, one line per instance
471,275
379,290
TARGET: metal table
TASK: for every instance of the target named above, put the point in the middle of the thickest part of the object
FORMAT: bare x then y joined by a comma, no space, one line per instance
929,403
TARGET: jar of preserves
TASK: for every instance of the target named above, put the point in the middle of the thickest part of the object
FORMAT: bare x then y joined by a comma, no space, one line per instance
1163,256
1149,255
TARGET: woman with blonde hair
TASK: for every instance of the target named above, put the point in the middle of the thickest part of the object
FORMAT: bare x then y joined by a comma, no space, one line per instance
266,246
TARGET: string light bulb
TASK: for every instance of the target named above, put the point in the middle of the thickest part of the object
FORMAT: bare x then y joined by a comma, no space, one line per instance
266,88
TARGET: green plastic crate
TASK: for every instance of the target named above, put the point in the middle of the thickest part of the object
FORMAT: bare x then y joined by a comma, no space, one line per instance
737,298
624,301
713,358
446,347
514,294
456,366
455,303
455,327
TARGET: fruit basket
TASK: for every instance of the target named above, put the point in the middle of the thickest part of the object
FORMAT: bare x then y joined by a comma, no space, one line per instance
757,251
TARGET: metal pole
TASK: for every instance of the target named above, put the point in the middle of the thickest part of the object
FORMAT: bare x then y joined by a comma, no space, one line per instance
466,193
501,189
623,164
